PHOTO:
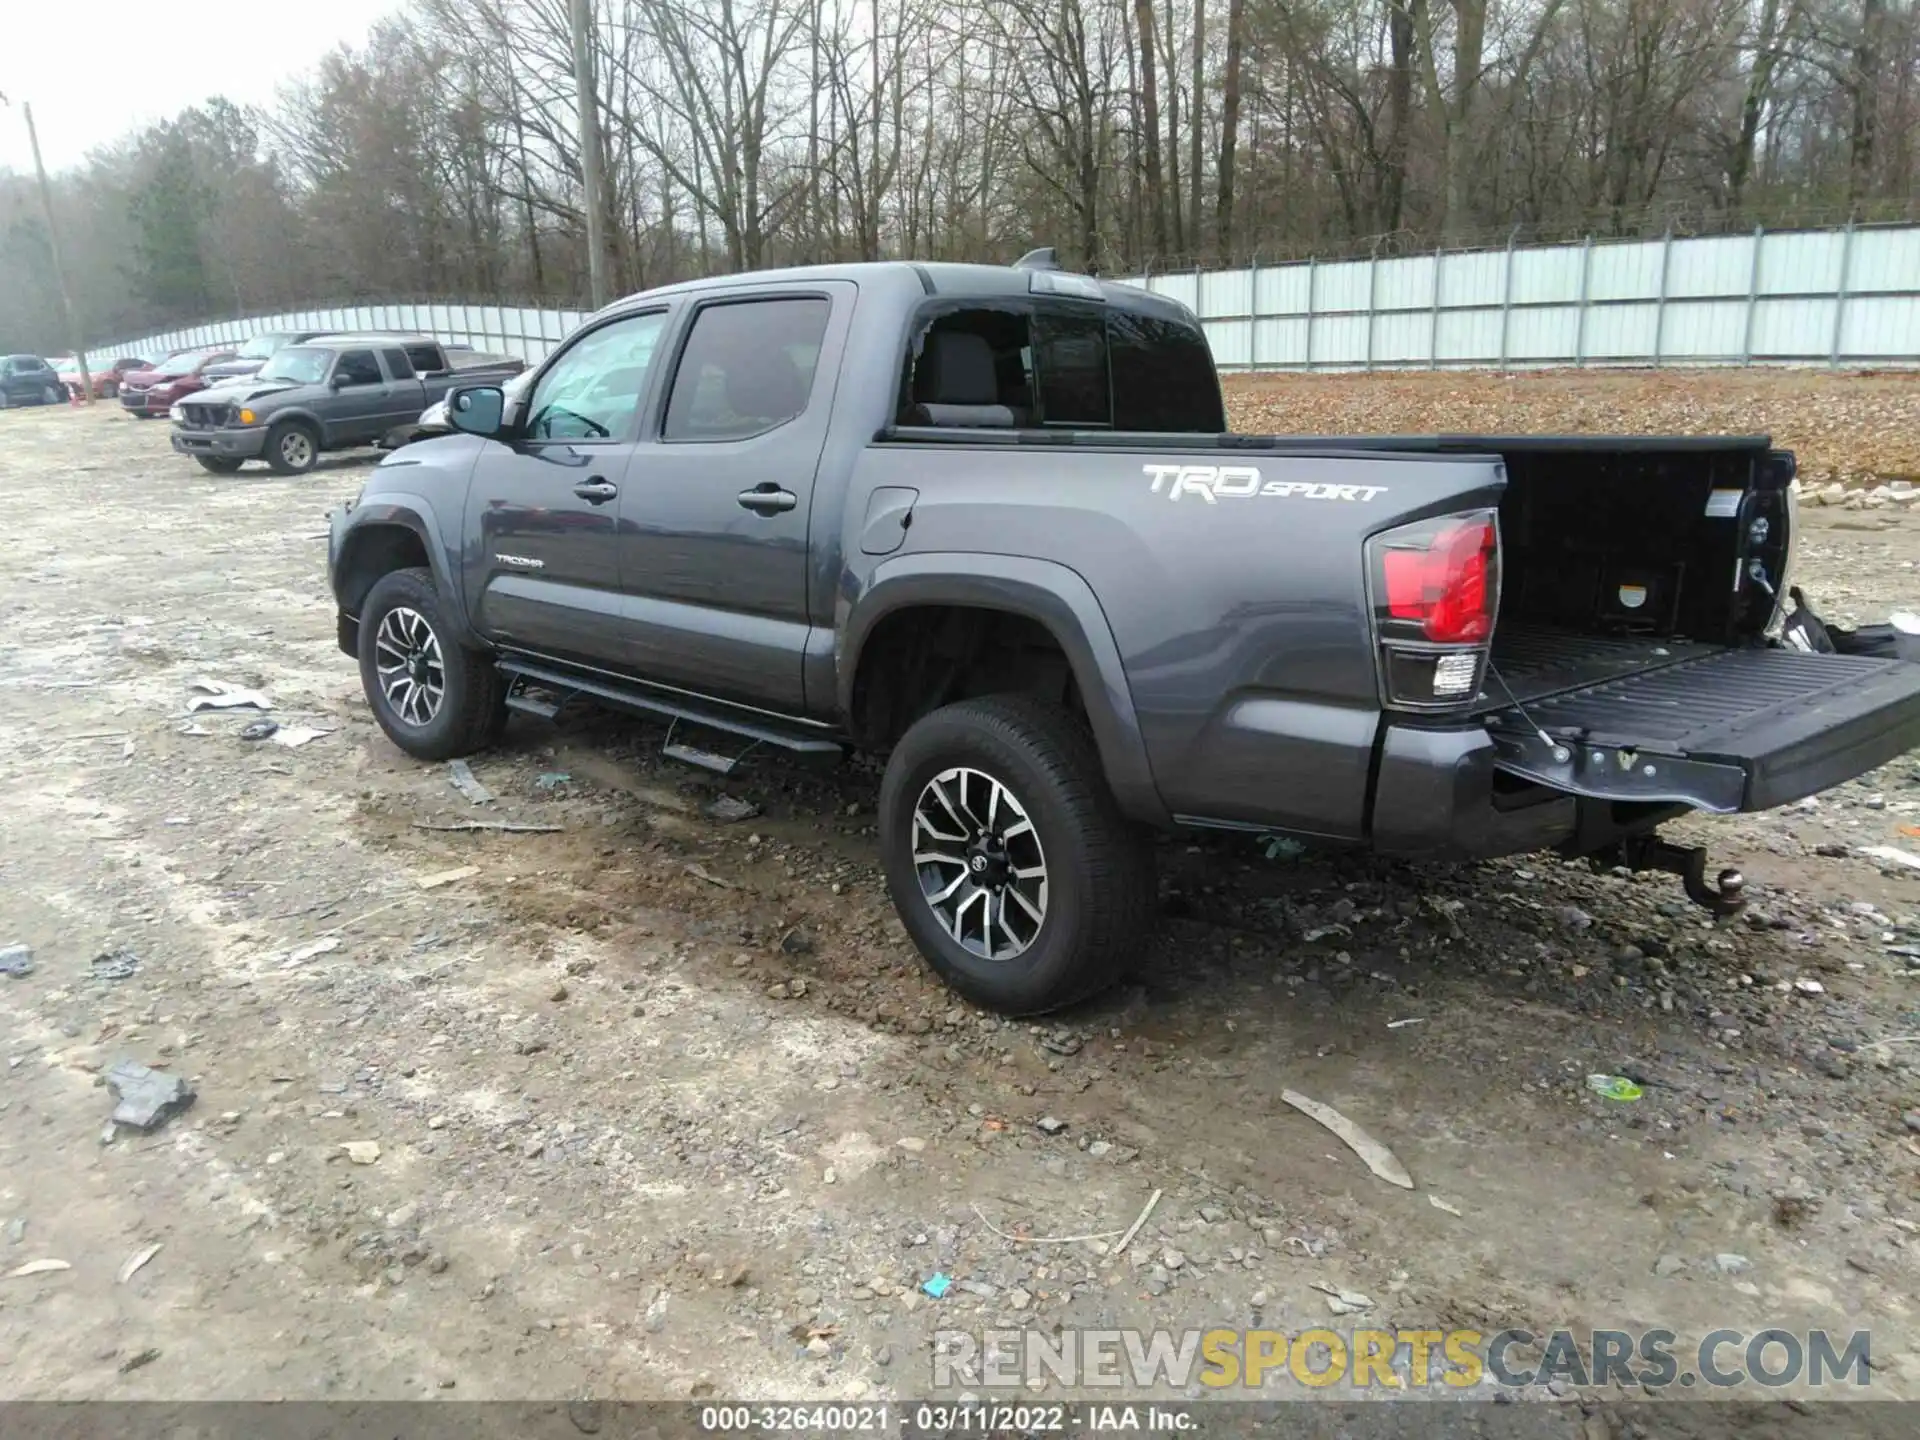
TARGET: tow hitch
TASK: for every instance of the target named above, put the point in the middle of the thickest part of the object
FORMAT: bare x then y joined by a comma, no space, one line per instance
1726,896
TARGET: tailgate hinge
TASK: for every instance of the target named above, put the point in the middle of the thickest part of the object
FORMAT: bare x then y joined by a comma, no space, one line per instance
1614,772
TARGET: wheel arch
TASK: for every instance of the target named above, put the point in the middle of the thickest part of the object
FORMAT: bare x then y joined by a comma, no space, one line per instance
1051,596
396,533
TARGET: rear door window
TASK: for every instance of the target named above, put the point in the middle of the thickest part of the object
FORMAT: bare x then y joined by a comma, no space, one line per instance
398,365
747,368
426,358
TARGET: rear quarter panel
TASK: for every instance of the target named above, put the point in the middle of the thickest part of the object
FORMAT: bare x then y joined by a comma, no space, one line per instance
1234,585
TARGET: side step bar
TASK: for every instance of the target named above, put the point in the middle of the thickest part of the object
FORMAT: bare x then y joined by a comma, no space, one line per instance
622,698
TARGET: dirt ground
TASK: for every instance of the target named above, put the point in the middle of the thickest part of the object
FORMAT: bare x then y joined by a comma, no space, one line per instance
667,1107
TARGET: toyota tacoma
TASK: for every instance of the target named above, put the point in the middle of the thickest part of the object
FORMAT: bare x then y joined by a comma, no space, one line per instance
988,522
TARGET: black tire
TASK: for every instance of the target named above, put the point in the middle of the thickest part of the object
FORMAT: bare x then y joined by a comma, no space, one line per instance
472,708
219,464
1099,898
54,395
142,414
293,447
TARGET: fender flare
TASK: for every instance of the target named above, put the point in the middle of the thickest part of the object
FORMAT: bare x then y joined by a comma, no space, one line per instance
1048,593
302,414
413,513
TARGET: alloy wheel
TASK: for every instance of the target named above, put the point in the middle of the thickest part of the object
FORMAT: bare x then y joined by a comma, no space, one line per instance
413,674
981,866
296,448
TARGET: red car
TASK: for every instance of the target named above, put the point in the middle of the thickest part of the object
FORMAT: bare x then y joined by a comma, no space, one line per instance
106,374
147,393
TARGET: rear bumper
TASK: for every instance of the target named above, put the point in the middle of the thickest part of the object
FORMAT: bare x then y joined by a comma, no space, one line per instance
236,444
1435,796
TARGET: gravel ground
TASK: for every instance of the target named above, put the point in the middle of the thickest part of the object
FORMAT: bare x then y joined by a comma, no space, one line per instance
666,1106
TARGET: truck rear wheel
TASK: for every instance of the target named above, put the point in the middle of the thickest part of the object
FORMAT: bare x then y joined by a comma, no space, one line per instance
434,697
1008,858
293,447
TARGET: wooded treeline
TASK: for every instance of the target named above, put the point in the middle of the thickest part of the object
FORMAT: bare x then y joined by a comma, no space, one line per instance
440,157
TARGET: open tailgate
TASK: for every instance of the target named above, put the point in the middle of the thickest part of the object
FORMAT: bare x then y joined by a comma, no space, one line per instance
1724,731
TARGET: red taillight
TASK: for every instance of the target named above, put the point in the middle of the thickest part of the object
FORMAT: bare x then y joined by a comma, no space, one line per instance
1444,584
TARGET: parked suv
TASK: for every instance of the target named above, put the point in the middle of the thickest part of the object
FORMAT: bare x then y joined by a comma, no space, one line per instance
29,380
986,522
248,359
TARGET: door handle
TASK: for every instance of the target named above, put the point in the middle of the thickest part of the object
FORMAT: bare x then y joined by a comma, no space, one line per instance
768,499
596,491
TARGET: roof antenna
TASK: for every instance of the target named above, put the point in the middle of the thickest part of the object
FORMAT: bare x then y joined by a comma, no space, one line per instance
1042,259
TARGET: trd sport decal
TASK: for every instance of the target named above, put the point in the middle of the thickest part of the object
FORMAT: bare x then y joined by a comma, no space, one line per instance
1214,483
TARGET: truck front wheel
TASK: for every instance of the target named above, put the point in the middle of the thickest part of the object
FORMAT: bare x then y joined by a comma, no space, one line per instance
293,447
1008,858
434,697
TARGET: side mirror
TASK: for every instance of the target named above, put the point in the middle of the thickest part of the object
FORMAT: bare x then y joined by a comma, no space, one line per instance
337,381
477,410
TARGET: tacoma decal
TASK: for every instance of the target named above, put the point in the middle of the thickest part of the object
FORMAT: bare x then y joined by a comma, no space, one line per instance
1214,483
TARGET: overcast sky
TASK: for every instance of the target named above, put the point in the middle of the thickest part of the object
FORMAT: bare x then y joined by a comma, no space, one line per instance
94,72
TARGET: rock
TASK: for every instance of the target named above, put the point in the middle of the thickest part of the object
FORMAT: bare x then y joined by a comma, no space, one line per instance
16,960
1050,1125
436,1122
797,942
1173,1259
1731,1264
1668,1265
883,1355
147,1097
16,1231
912,1144
1019,1299
559,993
1100,1149
533,1148
362,1152
777,990
728,809
1212,1214
405,1215
1912,1119
796,988
1259,1300
1572,917
818,1348
1809,987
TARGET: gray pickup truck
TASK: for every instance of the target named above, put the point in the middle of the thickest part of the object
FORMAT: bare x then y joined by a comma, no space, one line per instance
987,521
331,392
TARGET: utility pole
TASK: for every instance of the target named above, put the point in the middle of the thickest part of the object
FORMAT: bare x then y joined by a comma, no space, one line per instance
74,337
590,179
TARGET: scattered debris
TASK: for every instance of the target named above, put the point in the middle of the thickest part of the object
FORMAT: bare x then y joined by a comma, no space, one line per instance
551,779
192,729
1284,847
1809,987
1379,1159
511,827
16,960
17,1227
1731,1264
300,954
937,1284
795,942
1321,932
1439,1204
259,729
115,964
702,873
1138,1220
445,877
135,1262
218,695
1614,1087
729,808
1041,1239
147,1096
136,1362
462,776
37,1267
1402,1024
1892,855
1343,1302
1050,1125
362,1152
294,736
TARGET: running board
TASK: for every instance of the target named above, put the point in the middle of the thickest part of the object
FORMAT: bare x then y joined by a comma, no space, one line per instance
608,693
